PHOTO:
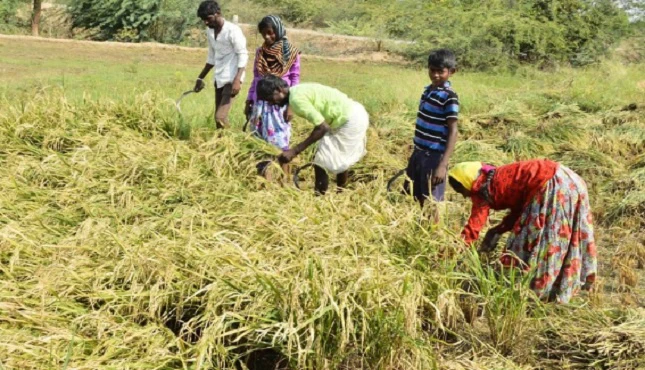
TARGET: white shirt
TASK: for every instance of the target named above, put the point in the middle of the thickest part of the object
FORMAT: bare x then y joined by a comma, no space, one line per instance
227,53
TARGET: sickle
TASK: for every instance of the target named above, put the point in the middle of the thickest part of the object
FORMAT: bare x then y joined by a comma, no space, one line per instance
297,172
178,102
394,178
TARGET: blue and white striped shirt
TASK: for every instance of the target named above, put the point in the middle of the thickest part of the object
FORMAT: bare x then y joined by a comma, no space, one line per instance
438,104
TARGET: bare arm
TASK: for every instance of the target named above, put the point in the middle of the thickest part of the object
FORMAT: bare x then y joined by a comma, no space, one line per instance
237,82
207,68
199,84
317,134
440,173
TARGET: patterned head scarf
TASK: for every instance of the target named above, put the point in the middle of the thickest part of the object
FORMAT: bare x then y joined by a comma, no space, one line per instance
277,59
466,173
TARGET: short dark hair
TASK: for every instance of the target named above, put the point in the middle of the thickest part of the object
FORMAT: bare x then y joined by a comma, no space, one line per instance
208,7
442,58
268,85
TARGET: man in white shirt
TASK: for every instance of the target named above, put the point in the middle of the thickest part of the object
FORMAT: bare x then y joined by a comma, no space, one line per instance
227,53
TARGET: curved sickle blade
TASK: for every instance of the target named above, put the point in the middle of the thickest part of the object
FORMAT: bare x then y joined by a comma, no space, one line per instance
178,102
296,178
393,179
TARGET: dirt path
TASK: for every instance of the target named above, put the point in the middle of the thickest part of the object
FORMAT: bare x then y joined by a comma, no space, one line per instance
142,45
294,31
313,44
302,31
355,56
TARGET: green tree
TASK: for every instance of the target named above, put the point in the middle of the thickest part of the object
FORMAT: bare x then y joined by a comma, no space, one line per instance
502,33
8,10
301,11
485,34
128,20
174,20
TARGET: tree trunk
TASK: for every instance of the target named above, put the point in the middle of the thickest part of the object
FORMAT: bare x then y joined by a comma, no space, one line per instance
35,17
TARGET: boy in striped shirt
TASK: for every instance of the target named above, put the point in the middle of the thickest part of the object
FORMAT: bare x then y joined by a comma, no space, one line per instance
436,130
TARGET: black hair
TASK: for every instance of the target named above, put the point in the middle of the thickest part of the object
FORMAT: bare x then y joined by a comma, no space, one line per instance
264,24
456,185
208,7
268,85
442,58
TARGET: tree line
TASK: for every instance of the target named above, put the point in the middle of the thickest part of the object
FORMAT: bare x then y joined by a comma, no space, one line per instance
486,35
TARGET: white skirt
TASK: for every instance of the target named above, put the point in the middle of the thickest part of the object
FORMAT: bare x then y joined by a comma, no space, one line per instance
344,146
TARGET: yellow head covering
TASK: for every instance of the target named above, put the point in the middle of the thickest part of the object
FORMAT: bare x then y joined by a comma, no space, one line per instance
466,173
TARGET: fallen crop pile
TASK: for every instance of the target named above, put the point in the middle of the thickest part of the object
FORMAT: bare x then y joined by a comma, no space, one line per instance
130,240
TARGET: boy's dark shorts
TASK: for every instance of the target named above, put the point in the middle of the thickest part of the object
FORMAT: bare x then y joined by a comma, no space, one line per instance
420,168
